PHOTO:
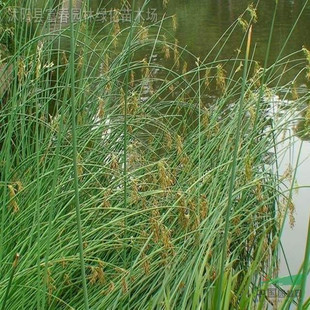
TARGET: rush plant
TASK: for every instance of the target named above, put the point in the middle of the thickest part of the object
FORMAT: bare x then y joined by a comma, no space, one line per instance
135,175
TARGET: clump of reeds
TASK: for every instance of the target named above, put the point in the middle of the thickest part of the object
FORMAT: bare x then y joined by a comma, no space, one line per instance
116,189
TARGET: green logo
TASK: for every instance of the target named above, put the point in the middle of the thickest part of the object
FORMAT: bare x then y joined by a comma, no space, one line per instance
289,280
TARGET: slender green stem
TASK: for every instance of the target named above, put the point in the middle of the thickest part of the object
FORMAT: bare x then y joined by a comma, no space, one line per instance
305,271
7,292
233,172
75,154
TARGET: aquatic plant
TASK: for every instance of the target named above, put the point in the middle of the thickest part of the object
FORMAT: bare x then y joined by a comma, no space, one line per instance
123,185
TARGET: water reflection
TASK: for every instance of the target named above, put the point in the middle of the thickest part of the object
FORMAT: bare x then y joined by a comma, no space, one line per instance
202,23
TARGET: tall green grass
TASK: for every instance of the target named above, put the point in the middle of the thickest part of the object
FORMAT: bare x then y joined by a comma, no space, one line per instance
123,185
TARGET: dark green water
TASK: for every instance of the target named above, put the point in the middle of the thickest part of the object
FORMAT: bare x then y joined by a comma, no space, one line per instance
201,24
207,29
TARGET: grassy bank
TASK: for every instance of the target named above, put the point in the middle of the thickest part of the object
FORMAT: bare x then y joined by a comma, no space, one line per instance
130,184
